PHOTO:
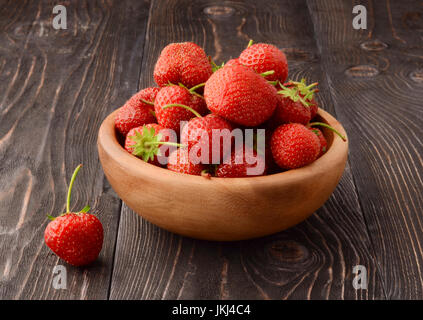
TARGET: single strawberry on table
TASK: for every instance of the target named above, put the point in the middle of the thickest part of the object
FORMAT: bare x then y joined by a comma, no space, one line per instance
240,95
263,57
76,237
185,63
168,108
137,111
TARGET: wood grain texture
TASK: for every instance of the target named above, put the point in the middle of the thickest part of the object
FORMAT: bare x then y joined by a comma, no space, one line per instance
375,78
56,87
311,261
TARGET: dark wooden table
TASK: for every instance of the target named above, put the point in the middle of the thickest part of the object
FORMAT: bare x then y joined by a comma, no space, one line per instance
56,86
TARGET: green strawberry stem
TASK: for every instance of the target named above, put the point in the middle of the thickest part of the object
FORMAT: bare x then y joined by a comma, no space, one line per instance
215,67
189,90
196,87
329,127
302,84
267,73
206,173
250,43
182,106
85,209
147,102
75,173
167,143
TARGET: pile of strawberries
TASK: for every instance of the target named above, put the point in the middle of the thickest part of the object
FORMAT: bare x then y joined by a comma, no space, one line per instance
195,98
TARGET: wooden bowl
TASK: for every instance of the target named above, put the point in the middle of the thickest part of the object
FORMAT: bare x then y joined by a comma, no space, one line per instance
223,209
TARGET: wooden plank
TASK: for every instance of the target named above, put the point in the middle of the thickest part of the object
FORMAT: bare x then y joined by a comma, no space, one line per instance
375,77
312,260
57,86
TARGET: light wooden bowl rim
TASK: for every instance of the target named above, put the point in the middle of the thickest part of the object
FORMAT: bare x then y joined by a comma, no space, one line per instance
109,142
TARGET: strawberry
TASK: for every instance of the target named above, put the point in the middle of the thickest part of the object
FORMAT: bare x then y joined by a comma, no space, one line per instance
185,63
144,142
294,145
137,111
240,95
243,162
314,108
322,140
76,237
288,110
296,103
175,96
233,62
307,93
262,57
271,166
193,135
179,162
321,137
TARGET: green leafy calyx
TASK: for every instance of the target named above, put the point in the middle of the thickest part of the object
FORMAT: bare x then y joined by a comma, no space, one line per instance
215,67
299,91
146,144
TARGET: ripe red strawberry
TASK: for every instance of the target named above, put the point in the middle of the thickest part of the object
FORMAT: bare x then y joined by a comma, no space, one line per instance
288,110
179,162
185,63
314,108
296,103
262,57
233,62
173,115
307,93
294,145
322,140
243,162
240,95
198,133
136,112
76,237
321,137
156,136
